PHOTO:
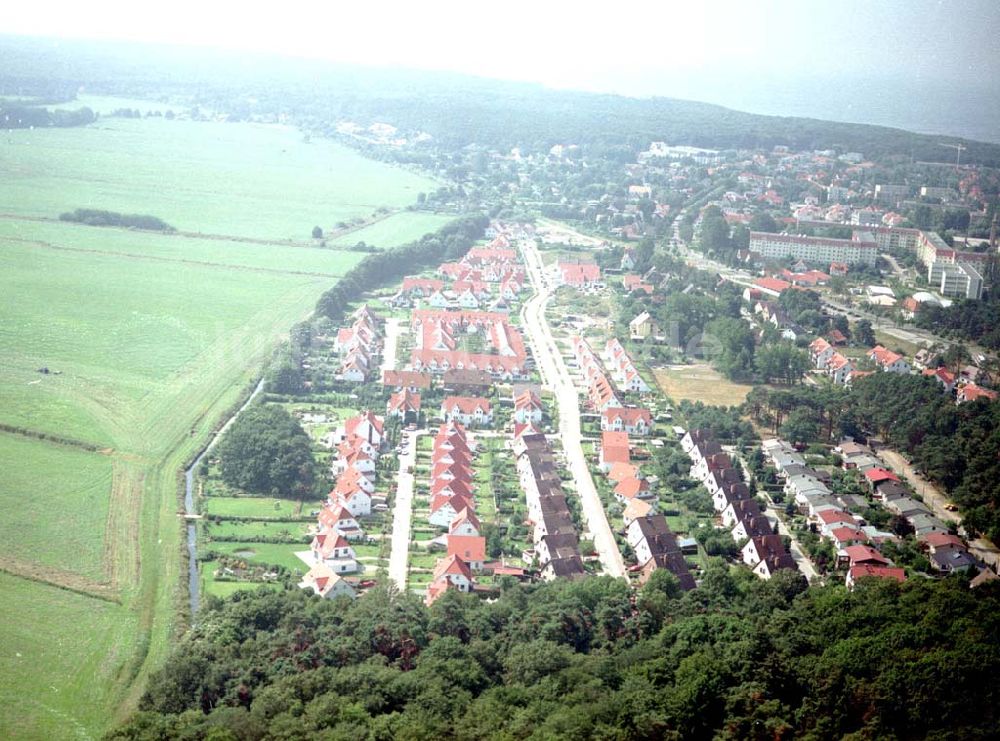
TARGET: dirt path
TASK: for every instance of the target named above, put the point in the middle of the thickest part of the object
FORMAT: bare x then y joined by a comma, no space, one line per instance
938,501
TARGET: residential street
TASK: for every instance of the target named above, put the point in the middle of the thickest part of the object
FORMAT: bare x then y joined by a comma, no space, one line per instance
393,328
402,512
555,375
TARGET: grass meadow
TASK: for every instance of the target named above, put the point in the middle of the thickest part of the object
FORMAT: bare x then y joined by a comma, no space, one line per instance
150,339
248,180
394,230
700,383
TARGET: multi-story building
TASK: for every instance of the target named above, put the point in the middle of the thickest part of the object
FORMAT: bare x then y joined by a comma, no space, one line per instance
860,249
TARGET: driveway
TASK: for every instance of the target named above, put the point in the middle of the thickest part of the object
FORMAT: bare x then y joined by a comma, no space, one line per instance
556,376
393,328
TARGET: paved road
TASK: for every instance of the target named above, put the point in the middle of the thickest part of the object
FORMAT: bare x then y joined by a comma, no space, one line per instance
556,376
938,501
402,512
393,328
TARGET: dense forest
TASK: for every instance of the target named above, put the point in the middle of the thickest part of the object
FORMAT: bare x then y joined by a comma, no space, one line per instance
977,321
20,116
954,445
738,658
456,110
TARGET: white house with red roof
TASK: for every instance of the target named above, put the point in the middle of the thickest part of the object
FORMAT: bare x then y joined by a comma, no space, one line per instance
632,420
579,275
615,448
888,361
527,408
334,549
403,404
449,573
943,376
820,351
972,392
464,523
471,411
335,517
322,580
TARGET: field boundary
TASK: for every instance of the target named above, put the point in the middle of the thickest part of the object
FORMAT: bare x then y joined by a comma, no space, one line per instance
56,439
60,579
160,258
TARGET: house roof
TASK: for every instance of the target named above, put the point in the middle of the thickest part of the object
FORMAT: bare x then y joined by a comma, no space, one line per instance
865,554
466,515
875,475
469,548
628,415
631,487
453,565
882,572
615,447
831,516
466,404
938,540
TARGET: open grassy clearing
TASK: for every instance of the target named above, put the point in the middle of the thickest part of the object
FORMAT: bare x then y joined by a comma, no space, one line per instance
700,383
251,180
254,507
395,230
151,348
55,504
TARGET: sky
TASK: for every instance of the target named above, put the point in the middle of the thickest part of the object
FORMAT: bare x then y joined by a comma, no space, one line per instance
751,54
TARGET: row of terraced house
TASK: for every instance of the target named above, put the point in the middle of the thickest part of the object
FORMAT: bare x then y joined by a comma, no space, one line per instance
761,548
358,445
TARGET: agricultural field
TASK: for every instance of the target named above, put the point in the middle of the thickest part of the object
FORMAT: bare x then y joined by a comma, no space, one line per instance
248,180
700,383
394,230
147,340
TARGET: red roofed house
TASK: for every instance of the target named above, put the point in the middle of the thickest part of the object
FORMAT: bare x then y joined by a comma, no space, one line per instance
322,580
972,392
847,535
527,408
450,573
875,476
772,286
865,554
366,426
333,549
632,488
944,376
614,449
632,420
833,518
470,548
471,411
421,287
879,572
409,380
404,405
580,275
887,360
465,523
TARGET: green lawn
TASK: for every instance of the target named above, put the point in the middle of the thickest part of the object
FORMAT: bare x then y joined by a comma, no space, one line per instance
247,530
265,553
255,507
151,339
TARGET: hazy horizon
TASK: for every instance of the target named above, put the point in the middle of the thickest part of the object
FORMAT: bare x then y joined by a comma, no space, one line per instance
923,66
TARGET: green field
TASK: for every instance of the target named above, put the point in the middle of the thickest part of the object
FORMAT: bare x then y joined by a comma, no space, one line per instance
248,180
394,230
149,338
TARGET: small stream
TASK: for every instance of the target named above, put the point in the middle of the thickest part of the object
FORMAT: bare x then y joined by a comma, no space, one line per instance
194,582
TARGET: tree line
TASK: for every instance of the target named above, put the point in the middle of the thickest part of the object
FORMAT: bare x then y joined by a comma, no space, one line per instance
737,658
96,217
14,116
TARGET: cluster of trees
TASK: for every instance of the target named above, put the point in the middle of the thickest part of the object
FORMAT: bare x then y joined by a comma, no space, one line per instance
13,116
954,445
977,321
737,658
266,451
450,242
96,217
